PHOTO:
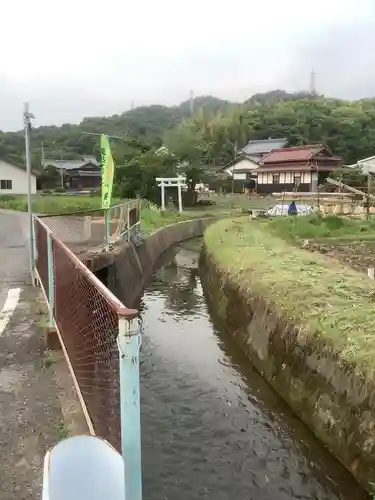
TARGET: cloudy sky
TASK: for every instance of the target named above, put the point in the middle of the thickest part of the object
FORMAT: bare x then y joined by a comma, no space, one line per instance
93,58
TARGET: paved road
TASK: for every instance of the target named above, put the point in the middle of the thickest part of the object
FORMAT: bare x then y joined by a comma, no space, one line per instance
30,416
14,234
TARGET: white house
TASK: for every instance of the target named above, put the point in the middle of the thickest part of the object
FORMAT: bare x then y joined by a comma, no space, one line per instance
13,179
366,165
242,169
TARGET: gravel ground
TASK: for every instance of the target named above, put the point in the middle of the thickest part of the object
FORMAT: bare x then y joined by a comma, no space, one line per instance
30,410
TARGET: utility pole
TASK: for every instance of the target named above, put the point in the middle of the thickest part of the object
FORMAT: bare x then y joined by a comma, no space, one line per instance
27,116
43,157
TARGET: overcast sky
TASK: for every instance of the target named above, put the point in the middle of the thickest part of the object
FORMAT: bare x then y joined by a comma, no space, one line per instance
81,58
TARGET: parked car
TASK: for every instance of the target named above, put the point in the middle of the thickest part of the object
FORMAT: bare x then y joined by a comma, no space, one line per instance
282,209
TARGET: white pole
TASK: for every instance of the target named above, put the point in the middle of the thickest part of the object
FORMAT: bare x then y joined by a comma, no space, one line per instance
26,118
162,196
179,196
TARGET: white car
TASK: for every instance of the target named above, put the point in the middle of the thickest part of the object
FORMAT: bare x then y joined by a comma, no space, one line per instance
282,209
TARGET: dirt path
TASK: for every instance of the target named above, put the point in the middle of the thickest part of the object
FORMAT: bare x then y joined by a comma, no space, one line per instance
30,410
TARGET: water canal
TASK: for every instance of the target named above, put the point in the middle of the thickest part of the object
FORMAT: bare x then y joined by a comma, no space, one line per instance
212,427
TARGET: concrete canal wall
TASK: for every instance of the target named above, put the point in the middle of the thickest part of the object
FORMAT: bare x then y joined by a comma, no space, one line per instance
334,397
126,269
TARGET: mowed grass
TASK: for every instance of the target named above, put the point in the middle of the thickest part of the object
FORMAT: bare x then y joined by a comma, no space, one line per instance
52,204
153,219
325,299
315,226
60,203
228,203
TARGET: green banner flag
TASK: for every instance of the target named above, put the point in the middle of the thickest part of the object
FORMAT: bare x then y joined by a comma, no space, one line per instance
108,169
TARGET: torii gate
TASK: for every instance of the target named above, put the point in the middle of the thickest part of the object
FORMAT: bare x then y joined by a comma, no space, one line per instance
179,182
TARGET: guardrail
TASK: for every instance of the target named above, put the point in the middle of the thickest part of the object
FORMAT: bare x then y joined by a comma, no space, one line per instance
99,336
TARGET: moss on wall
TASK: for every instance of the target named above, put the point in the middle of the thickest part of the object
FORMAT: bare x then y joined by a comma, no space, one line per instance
308,325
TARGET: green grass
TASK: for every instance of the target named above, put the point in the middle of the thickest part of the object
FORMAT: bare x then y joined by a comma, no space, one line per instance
47,360
315,226
61,430
52,204
154,219
236,202
324,298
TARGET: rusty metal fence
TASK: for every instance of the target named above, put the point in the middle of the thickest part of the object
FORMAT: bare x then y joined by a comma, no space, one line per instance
91,229
100,337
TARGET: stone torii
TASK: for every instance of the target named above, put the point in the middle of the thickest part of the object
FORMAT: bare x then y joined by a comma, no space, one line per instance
179,182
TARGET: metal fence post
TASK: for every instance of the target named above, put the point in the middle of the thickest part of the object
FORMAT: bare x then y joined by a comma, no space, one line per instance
108,228
51,280
129,341
33,251
128,235
139,211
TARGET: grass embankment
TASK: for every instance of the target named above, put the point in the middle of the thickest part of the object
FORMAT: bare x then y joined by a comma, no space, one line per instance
319,227
320,295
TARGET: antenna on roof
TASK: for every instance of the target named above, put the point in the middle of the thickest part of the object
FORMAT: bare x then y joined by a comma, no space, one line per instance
313,91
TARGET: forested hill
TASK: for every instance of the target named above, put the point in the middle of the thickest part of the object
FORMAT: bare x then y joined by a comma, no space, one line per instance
218,126
141,127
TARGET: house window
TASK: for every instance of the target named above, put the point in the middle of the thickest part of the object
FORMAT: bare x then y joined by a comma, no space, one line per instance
5,184
276,179
297,180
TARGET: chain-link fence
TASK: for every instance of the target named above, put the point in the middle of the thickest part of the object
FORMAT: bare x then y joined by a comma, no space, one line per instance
87,318
124,220
89,229
41,247
86,315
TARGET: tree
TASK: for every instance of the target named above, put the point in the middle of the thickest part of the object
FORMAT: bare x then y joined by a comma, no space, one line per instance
212,135
138,176
50,178
191,144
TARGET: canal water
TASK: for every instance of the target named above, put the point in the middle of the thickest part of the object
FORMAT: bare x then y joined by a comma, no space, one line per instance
212,428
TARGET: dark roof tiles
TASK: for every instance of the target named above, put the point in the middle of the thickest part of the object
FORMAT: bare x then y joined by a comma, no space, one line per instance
263,146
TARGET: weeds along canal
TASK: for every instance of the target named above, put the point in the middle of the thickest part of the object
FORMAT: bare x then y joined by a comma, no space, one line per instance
212,428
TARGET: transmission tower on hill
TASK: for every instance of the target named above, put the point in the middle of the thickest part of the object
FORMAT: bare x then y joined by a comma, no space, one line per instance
312,89
191,102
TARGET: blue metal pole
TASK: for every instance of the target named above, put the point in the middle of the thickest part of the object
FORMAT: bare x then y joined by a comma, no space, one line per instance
129,341
33,250
128,233
51,280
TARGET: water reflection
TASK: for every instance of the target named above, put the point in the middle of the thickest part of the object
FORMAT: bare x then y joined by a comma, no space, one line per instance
212,427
